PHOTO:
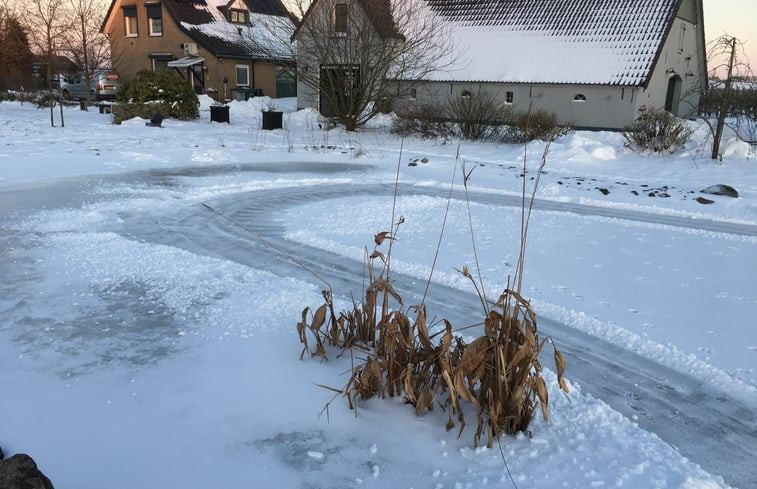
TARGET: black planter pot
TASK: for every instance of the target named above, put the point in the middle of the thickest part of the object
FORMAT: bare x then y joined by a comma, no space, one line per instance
272,119
219,113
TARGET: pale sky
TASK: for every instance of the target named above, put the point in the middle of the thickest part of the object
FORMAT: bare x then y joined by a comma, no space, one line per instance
735,17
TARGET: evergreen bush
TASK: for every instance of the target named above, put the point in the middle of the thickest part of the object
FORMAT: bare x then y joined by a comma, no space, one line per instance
167,87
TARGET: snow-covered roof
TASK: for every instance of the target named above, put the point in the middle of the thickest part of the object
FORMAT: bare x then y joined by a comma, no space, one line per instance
612,42
266,37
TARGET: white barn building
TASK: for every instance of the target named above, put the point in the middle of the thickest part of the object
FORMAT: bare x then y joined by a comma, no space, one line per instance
594,63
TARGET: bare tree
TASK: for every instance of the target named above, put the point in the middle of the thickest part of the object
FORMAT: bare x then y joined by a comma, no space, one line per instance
726,56
358,56
48,22
88,47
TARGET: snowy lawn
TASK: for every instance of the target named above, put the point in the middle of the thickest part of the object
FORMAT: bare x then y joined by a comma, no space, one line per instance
165,367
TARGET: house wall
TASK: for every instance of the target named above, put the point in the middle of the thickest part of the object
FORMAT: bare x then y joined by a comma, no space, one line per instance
342,49
132,54
605,107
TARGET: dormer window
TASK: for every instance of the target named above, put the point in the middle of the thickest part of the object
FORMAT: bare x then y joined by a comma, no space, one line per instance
579,97
340,17
239,16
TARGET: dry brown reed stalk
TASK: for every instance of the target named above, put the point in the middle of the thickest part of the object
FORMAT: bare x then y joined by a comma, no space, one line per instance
498,373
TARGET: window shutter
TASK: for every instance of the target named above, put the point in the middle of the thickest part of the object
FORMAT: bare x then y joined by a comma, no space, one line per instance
130,11
153,11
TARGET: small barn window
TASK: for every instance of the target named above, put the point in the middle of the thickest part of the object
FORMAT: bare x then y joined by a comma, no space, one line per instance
340,15
413,94
509,97
465,94
579,97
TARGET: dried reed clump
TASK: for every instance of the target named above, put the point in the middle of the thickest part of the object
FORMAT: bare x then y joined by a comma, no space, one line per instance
497,373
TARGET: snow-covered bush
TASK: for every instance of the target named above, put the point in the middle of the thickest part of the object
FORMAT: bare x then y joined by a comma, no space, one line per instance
167,87
657,131
7,96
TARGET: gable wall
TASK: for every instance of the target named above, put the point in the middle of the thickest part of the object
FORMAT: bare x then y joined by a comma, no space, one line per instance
307,60
687,63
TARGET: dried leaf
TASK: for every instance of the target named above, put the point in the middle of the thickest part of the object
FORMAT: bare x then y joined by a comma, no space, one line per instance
541,391
560,366
319,318
380,237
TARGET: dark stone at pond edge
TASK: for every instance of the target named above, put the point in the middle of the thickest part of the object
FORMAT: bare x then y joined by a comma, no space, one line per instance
721,189
412,163
652,194
634,192
702,200
20,472
604,191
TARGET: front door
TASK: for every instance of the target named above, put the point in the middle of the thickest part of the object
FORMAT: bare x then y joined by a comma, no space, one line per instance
673,97
338,88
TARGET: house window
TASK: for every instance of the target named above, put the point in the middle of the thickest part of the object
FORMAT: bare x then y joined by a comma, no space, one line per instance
340,16
160,64
509,97
154,19
465,94
413,94
130,21
239,16
243,76
579,97
681,38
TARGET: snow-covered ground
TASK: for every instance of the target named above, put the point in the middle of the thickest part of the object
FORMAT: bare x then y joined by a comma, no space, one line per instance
142,344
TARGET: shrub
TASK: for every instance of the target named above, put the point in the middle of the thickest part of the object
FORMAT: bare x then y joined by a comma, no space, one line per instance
657,131
7,96
478,116
45,100
167,87
427,121
537,124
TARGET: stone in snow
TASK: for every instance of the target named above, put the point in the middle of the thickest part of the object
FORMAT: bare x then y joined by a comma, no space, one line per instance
721,189
20,472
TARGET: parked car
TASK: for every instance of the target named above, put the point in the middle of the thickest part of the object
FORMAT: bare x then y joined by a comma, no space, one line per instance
103,85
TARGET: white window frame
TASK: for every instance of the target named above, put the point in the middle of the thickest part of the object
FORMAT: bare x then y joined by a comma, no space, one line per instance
239,16
151,26
509,97
247,75
580,98
128,26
